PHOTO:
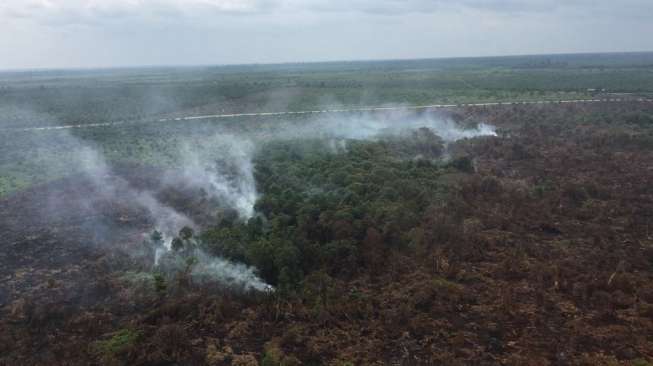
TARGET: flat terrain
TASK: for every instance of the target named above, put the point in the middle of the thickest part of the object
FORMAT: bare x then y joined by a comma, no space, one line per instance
490,234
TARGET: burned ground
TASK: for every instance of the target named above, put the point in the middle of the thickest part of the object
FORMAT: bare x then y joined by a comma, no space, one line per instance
62,237
541,252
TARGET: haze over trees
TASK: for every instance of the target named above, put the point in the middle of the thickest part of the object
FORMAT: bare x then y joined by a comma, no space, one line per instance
516,234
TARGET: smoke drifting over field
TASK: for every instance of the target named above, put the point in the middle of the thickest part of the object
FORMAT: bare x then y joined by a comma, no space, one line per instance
218,165
234,188
113,188
231,273
370,128
222,166
374,127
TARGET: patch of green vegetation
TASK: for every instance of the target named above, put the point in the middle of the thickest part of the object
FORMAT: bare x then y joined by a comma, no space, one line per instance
142,280
642,362
118,343
269,360
274,356
160,285
321,207
446,285
540,190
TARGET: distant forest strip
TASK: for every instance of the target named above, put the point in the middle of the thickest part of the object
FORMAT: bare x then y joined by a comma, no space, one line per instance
346,110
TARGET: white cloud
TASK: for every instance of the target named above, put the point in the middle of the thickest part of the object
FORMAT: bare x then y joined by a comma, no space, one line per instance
60,33
45,10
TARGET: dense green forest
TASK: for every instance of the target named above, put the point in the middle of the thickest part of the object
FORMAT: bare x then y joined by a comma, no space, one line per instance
320,208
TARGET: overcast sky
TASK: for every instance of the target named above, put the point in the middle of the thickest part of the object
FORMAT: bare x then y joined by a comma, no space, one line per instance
99,33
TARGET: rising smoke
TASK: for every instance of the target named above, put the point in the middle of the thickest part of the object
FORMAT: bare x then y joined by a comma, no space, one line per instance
221,165
337,129
230,273
228,177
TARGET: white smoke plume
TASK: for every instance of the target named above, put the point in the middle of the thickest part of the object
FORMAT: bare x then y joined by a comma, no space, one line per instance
222,166
232,274
374,126
113,188
169,222
337,146
207,268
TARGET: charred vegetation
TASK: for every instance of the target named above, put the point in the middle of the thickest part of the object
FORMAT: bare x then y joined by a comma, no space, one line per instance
531,247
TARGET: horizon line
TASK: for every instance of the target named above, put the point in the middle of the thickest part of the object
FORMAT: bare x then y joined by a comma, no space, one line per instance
313,62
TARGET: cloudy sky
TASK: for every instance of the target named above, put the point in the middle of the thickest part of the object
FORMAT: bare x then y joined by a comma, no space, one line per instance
99,33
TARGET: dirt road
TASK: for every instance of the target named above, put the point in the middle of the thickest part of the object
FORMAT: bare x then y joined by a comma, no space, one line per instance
326,111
